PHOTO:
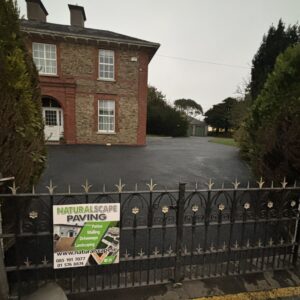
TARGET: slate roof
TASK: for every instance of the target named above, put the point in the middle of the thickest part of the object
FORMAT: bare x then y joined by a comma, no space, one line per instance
194,121
82,32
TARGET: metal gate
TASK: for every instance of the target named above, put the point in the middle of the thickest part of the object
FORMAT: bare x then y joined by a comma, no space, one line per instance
166,235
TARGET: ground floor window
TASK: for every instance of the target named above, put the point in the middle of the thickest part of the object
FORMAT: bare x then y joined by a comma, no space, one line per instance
106,116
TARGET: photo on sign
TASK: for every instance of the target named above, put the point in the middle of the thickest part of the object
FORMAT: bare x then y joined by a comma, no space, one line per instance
86,234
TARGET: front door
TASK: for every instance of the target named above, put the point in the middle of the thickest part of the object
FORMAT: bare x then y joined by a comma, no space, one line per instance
53,118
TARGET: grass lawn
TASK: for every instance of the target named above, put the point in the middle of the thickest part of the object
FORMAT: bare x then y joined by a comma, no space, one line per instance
224,141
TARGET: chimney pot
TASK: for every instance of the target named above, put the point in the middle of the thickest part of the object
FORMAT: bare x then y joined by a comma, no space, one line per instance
36,11
77,15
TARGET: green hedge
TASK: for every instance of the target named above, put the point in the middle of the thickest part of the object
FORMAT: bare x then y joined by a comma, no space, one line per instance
270,137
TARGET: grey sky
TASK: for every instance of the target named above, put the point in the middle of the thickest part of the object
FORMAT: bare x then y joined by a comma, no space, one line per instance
225,32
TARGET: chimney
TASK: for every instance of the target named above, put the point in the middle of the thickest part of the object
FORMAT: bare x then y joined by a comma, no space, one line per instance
77,15
36,11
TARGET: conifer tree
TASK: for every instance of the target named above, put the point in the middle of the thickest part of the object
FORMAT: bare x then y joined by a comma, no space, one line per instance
275,42
22,149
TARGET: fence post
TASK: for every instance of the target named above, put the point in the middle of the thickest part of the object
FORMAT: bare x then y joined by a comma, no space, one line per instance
179,236
296,238
3,277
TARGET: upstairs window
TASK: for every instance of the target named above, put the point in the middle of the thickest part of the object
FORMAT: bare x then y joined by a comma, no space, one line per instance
106,64
44,56
106,116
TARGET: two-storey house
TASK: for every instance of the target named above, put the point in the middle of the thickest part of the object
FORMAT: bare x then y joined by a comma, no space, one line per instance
93,82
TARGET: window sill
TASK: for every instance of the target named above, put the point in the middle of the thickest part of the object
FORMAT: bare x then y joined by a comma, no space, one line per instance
106,133
49,75
107,80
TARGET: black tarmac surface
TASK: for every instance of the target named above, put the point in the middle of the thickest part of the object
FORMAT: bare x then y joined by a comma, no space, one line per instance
166,160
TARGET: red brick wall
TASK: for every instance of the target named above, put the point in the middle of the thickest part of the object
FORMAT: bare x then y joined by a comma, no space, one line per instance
77,88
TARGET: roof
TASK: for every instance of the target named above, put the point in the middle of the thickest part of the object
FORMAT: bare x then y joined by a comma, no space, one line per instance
194,121
37,27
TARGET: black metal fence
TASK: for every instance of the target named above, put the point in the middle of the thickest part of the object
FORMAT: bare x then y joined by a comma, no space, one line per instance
165,235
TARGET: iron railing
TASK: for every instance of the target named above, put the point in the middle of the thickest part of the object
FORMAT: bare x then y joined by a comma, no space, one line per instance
165,235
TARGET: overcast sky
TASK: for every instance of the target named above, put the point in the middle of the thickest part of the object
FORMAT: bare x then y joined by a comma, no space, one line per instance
225,34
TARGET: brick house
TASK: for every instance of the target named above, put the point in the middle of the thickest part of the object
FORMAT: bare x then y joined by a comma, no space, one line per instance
93,82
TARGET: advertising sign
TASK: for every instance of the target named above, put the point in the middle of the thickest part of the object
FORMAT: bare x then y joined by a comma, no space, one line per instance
86,234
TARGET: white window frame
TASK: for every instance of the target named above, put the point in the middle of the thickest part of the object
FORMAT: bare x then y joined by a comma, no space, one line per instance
106,55
113,117
40,49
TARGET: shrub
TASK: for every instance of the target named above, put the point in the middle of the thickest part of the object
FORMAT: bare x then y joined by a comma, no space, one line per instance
271,135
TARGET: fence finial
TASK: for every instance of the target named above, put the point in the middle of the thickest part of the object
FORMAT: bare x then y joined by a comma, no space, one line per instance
236,184
13,188
260,183
86,187
120,186
284,182
151,186
51,187
210,184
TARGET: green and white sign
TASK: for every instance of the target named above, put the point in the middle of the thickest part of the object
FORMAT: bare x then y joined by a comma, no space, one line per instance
86,234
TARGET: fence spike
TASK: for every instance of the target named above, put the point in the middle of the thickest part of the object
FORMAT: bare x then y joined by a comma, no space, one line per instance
86,187
151,185
156,251
284,182
33,189
210,184
236,184
136,187
248,185
13,188
272,184
27,262
126,254
103,188
198,249
295,184
120,186
224,246
196,185
236,245
260,183
45,261
141,253
69,189
222,185
259,243
185,251
271,242
170,251
51,187
248,243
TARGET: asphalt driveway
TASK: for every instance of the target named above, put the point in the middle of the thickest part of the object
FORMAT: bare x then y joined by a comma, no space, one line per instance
166,160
